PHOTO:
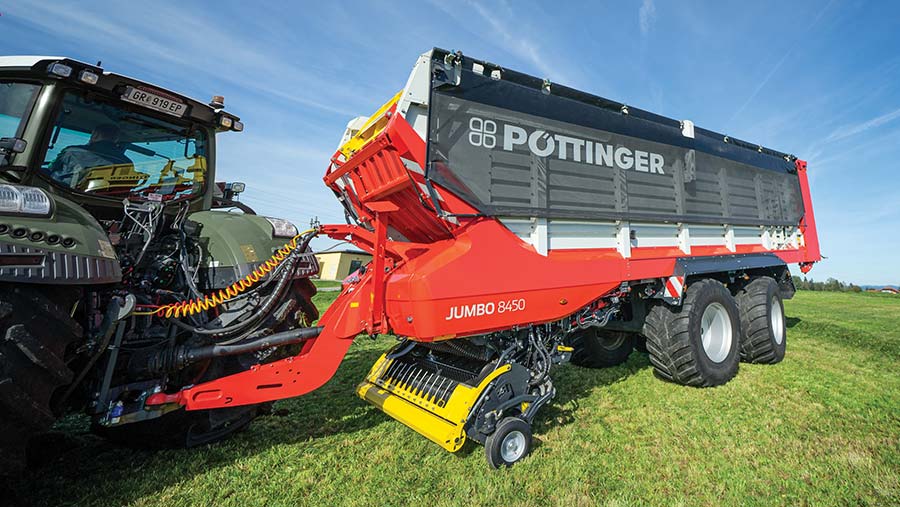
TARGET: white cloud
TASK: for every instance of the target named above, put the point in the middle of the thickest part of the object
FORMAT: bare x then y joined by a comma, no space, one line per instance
283,176
778,65
647,16
510,32
196,45
852,130
516,44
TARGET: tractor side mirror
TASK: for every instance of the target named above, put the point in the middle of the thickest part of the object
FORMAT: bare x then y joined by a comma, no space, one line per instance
12,145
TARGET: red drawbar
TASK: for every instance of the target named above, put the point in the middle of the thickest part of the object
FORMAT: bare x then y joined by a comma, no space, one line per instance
289,377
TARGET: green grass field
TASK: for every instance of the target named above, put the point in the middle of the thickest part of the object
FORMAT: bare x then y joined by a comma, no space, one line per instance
821,428
326,284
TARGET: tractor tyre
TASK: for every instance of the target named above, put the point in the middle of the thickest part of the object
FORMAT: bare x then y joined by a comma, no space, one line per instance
763,330
35,331
640,343
597,348
696,344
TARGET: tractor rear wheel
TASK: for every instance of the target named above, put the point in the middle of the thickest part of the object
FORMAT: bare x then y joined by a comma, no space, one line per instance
598,348
696,344
35,331
640,343
763,328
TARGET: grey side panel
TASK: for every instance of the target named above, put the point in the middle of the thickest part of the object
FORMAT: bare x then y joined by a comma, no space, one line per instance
687,266
515,145
485,154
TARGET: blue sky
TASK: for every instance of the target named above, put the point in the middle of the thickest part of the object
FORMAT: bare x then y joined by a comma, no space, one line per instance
817,79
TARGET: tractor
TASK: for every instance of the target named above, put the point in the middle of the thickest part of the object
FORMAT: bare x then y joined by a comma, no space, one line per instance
125,269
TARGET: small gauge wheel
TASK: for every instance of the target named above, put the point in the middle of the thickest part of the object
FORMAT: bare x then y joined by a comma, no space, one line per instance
509,443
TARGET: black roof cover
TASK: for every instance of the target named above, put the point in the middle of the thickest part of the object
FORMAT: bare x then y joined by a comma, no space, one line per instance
514,145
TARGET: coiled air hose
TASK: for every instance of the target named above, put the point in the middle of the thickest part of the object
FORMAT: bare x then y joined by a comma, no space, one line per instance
249,322
198,305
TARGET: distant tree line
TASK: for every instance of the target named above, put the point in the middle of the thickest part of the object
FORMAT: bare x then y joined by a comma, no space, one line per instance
832,284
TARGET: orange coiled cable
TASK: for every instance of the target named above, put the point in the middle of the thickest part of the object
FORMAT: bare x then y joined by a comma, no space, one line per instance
191,307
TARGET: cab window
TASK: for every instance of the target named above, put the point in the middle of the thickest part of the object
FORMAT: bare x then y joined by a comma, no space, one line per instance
106,148
15,103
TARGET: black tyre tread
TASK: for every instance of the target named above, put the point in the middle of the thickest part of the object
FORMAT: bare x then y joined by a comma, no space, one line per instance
590,352
640,343
667,330
757,345
34,335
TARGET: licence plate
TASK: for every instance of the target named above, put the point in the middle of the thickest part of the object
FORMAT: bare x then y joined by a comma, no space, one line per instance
154,100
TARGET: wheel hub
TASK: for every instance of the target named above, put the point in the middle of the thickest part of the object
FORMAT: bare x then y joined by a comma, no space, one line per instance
716,332
512,447
776,321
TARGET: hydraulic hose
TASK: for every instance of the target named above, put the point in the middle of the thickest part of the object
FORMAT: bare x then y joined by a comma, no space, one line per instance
538,348
266,307
107,327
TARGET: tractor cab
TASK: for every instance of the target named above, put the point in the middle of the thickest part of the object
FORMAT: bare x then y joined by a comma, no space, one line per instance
98,138
121,257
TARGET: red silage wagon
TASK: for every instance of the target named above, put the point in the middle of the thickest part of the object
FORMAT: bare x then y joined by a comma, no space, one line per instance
516,224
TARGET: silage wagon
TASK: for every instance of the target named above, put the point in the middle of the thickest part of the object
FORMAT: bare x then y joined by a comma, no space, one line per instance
516,224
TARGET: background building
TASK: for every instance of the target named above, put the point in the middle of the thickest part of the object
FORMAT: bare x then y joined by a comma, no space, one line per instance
338,264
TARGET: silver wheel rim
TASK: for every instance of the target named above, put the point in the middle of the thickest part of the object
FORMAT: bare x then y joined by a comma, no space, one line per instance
716,332
513,446
776,321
